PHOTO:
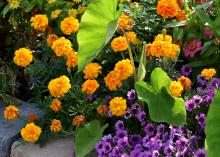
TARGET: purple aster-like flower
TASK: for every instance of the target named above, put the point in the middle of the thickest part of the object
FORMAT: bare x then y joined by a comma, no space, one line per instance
200,153
119,125
201,118
215,83
141,116
181,142
131,94
190,105
192,48
186,70
197,99
149,129
135,139
208,33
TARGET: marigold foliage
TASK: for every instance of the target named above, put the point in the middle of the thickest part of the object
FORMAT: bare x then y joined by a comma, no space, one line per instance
56,125
23,57
167,9
11,112
39,22
124,69
176,88
31,132
118,106
92,70
56,105
69,25
90,86
119,44
208,73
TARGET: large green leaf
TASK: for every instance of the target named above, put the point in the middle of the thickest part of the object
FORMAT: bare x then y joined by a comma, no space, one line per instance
97,26
87,137
213,128
162,106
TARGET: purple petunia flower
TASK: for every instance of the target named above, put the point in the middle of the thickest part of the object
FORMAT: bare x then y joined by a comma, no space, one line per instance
145,154
201,118
135,153
122,142
168,150
215,83
207,32
121,133
149,129
90,98
131,94
201,80
128,114
190,105
155,153
197,99
141,116
192,48
181,142
119,125
200,153
135,139
207,100
160,129
186,70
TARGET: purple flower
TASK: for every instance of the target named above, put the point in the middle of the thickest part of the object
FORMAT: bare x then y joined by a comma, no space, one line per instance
128,114
186,70
180,154
197,99
215,83
149,129
155,153
202,81
210,92
90,98
160,129
201,118
141,116
208,33
135,139
181,142
108,98
145,154
109,113
168,150
190,105
207,100
122,142
124,155
192,48
116,151
135,153
131,94
121,133
200,153
107,147
99,146
107,138
119,125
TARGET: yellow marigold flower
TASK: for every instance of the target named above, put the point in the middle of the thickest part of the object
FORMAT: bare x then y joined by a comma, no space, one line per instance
81,10
69,25
125,22
55,14
185,82
131,37
71,59
61,46
102,109
31,132
23,57
175,50
90,86
72,12
39,22
124,69
32,117
78,120
167,9
14,4
160,49
119,44
176,88
112,80
118,106
92,71
162,37
55,126
59,86
56,105
11,112
208,73
51,1
51,38
77,1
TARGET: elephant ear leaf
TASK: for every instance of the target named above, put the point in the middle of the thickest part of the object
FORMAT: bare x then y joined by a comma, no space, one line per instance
97,26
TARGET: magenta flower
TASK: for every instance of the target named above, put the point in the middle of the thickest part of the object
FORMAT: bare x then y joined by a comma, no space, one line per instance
192,48
207,32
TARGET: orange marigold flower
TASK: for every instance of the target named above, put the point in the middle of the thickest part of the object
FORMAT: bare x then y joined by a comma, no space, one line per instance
208,73
131,37
119,44
176,88
51,38
112,80
90,86
185,82
160,49
102,109
32,117
59,86
162,37
118,106
56,125
56,105
181,16
167,9
78,120
39,22
69,25
175,50
61,46
125,22
23,57
92,71
148,53
71,59
124,69
11,112
31,132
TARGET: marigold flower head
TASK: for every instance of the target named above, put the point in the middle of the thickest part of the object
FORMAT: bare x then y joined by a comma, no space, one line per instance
112,80
181,16
56,125
175,50
69,25
71,59
72,12
56,105
81,10
90,86
185,82
124,69
102,109
167,9
125,22
11,112
208,73
160,48
148,47
39,22
31,132
23,57
92,71
61,46
59,86
118,106
176,88
55,14
119,44
14,4
32,117
77,1
78,120
51,38
163,37
131,37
